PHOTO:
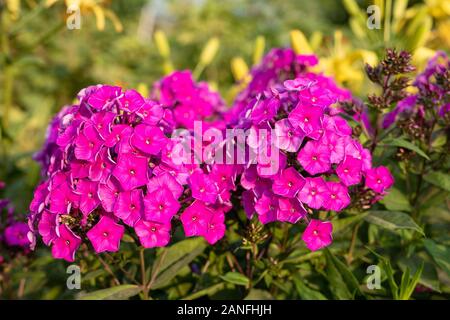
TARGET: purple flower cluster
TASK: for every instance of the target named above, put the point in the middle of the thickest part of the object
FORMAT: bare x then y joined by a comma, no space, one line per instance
279,65
188,101
428,91
13,233
318,161
109,164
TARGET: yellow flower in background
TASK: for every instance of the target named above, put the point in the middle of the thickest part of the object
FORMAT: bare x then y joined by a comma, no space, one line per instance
97,7
438,8
342,62
13,7
420,28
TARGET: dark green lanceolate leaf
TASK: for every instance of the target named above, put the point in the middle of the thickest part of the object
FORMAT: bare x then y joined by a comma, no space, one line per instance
399,142
305,292
393,220
176,258
439,253
236,278
206,292
115,293
257,294
428,278
439,179
390,276
408,284
348,277
395,200
338,285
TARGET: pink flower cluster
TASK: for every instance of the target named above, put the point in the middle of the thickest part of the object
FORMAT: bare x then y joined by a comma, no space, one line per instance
13,233
109,165
189,101
318,160
110,161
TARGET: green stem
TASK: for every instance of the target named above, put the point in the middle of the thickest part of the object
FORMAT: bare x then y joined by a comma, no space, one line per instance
143,274
156,270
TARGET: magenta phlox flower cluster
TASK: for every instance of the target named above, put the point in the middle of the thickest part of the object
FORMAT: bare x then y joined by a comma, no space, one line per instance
110,166
111,163
188,101
318,160
279,65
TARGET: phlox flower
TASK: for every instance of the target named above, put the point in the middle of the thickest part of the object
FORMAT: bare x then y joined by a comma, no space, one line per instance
290,210
87,191
15,234
165,180
160,205
195,219
317,234
288,183
129,206
66,244
349,171
203,187
103,96
264,110
379,179
131,101
102,122
267,207
315,157
131,171
118,133
100,170
108,193
47,226
151,112
337,197
88,144
215,228
152,234
106,235
306,117
313,192
287,137
148,139
335,144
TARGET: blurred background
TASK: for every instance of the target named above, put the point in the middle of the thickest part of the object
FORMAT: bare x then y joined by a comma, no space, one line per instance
51,49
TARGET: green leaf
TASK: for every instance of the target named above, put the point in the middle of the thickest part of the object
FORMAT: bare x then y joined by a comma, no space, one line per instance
257,294
345,272
337,284
439,253
176,258
390,276
439,179
393,220
407,286
305,292
395,200
115,293
399,142
236,278
207,291
428,278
